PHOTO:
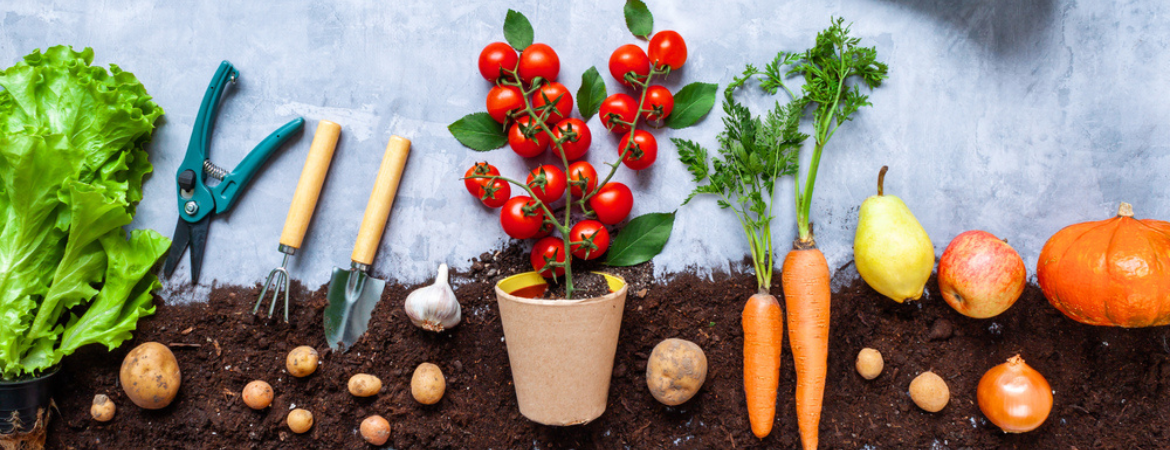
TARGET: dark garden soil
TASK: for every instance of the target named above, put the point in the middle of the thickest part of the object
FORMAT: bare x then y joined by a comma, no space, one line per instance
1112,385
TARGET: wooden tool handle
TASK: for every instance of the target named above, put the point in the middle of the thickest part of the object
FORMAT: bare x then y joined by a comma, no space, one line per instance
309,187
377,210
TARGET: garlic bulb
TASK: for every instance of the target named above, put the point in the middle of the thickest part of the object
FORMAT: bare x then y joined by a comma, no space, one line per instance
434,307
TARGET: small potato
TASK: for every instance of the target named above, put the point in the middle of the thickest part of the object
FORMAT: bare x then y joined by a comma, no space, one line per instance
870,363
300,420
676,370
258,394
930,392
102,409
302,361
150,376
428,384
376,430
364,385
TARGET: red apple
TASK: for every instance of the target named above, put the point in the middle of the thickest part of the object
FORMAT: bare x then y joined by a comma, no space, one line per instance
980,275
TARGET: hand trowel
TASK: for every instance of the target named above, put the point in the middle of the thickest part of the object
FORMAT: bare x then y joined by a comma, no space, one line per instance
353,293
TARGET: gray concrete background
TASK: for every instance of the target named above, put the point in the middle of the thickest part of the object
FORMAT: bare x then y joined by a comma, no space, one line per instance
1016,117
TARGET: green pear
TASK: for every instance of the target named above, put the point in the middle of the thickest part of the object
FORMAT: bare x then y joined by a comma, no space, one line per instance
892,252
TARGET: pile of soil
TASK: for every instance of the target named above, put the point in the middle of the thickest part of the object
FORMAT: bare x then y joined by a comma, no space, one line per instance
1112,386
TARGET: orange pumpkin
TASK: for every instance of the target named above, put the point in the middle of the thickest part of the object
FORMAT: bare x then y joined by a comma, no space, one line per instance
1110,272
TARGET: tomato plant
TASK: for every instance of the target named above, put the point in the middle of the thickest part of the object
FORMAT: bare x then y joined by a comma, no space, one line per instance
574,137
612,203
549,93
582,174
548,250
667,48
539,60
659,103
527,141
644,151
629,58
593,239
521,217
537,112
496,59
547,182
618,112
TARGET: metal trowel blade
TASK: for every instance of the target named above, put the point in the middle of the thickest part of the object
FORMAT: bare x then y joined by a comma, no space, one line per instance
352,297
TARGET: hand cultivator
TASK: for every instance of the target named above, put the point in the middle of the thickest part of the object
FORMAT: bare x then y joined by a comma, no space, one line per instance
301,211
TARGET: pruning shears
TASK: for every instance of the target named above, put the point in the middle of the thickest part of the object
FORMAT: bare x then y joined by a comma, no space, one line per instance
197,201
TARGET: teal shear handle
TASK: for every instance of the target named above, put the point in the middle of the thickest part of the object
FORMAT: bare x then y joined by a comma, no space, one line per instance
228,190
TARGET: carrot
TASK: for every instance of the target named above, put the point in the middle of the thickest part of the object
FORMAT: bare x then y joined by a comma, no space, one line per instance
763,333
805,279
762,151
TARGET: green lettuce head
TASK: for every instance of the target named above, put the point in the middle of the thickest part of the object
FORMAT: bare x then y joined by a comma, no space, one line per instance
72,159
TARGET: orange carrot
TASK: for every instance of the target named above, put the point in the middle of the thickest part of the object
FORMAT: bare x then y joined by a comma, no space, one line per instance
763,332
805,278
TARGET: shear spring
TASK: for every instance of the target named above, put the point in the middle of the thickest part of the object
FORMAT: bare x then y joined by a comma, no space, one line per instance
213,170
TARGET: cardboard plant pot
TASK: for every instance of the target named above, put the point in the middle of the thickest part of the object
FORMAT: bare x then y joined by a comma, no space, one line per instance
561,351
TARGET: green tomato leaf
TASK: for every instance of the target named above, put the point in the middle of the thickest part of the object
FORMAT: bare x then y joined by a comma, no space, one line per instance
590,94
691,103
479,132
638,19
641,240
517,30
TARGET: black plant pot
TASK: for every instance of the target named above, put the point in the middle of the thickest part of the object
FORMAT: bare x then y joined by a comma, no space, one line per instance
20,401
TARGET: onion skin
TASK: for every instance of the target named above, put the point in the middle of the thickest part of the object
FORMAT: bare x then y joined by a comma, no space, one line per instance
1014,396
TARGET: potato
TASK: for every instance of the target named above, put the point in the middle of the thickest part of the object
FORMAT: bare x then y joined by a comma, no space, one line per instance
301,361
870,363
258,394
428,384
300,420
930,392
676,370
102,409
376,430
364,385
150,376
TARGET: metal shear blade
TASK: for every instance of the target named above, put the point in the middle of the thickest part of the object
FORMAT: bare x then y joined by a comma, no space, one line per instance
192,235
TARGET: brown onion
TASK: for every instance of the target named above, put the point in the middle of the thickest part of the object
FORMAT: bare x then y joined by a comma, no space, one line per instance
1014,396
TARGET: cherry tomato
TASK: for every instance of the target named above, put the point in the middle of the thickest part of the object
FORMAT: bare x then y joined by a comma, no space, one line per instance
554,183
577,145
475,185
553,91
612,203
644,152
587,230
495,59
659,103
519,223
554,250
502,100
667,48
527,146
539,60
629,58
578,172
496,193
618,107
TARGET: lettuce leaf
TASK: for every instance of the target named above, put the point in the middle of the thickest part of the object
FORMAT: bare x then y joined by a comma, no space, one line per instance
72,160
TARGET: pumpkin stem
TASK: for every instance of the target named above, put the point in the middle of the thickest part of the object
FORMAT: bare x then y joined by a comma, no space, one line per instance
882,179
1125,210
